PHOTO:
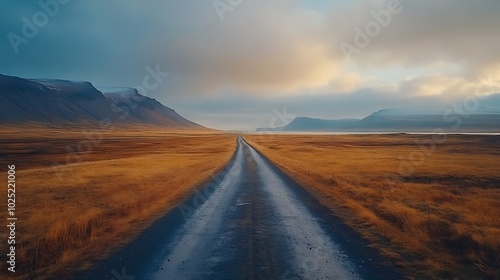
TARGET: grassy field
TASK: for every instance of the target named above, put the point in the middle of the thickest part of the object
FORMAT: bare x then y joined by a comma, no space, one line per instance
80,194
431,204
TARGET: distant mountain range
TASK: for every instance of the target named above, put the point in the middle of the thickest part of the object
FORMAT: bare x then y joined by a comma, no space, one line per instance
69,102
404,120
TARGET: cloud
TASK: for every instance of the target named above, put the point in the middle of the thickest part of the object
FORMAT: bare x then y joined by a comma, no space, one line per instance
265,54
259,46
263,46
426,33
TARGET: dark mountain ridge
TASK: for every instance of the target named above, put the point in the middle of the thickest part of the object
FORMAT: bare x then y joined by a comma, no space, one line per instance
482,119
68,102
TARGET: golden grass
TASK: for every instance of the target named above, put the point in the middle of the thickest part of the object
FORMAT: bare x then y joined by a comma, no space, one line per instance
76,213
436,214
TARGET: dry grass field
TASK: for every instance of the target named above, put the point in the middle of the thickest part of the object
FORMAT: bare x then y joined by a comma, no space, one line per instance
110,185
432,207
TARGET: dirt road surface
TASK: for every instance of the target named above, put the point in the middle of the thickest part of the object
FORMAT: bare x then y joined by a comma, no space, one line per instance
250,222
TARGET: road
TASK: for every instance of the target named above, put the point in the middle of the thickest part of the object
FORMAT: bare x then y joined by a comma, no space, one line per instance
251,222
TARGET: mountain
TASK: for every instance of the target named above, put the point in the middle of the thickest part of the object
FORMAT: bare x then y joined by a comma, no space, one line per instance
304,124
70,102
482,119
145,109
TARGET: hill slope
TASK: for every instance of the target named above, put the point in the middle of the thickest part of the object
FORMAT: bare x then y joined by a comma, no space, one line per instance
402,120
63,102
144,109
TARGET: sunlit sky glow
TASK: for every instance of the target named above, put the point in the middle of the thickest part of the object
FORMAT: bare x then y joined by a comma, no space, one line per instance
265,55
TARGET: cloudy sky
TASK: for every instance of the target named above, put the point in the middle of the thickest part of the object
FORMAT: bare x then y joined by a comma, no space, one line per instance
242,64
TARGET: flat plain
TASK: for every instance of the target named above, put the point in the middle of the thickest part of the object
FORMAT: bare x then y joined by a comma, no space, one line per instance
429,203
82,193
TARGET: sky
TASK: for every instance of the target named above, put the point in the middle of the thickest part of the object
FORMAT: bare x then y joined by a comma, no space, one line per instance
243,64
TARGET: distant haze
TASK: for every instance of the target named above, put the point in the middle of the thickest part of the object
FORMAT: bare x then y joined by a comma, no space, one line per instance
248,64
